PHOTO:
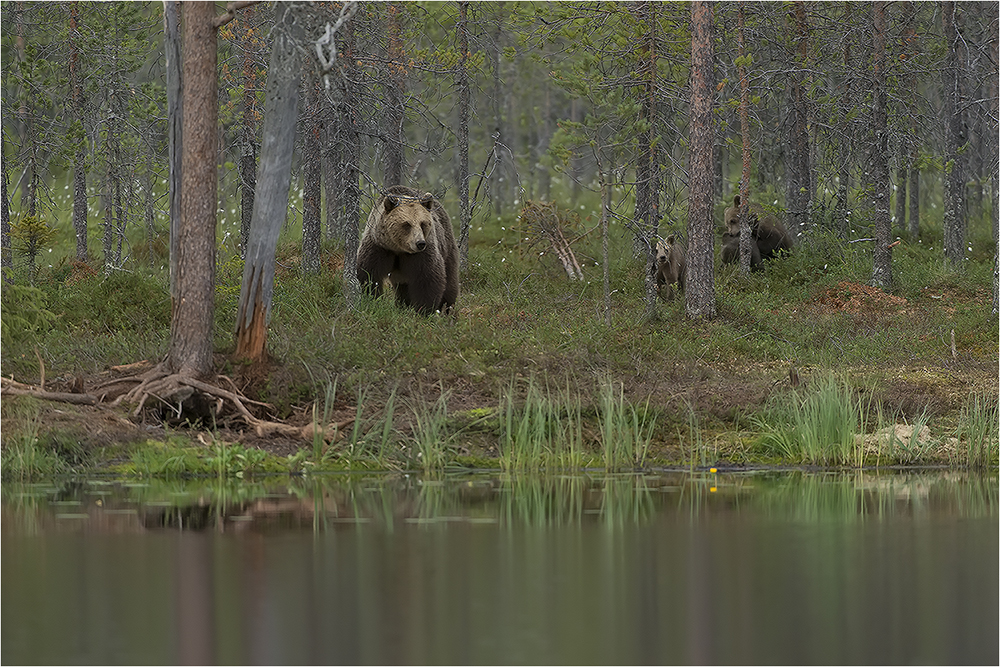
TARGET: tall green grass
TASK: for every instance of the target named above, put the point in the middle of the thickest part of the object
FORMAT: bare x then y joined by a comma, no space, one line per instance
626,431
979,431
23,457
816,427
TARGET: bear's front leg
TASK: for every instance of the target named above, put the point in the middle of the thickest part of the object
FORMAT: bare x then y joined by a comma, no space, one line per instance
374,264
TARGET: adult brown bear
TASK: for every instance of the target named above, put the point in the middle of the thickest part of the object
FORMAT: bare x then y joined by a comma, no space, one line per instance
770,236
409,241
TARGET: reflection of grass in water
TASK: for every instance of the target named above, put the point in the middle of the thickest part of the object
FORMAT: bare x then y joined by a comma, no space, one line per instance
541,500
626,501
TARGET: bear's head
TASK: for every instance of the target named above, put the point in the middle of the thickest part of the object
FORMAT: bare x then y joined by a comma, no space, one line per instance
663,248
732,217
408,222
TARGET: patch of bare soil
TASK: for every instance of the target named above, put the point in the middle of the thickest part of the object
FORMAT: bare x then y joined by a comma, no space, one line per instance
856,298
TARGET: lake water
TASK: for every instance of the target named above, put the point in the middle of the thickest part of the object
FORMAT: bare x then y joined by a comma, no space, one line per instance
753,568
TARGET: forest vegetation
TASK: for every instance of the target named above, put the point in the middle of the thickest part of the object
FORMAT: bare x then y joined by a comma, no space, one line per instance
185,185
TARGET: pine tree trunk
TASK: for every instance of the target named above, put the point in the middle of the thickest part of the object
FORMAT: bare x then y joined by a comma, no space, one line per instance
879,163
80,152
175,134
395,89
464,111
312,175
350,154
746,252
799,172
956,136
191,327
699,288
914,194
6,252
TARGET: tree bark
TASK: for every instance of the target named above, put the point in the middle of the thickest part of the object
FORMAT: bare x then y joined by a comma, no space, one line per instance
394,88
956,137
699,288
879,162
746,240
191,326
271,197
350,156
312,176
800,172
248,133
80,150
464,111
647,198
6,252
175,134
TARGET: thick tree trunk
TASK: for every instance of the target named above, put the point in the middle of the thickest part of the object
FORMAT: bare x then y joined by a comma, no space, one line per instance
699,288
956,136
879,163
312,176
271,196
191,327
464,111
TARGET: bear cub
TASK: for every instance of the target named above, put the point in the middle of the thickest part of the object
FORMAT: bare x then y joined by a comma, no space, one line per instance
670,266
769,235
409,241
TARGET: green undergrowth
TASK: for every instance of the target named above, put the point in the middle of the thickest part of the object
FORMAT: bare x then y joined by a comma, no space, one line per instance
529,375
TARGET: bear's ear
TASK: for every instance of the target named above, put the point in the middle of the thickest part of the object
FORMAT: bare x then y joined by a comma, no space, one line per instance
670,239
390,203
736,201
427,200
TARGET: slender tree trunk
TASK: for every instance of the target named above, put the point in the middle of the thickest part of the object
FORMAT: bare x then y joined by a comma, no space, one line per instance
647,212
879,163
464,111
956,137
271,196
6,253
914,194
605,176
312,175
191,328
80,150
902,178
175,134
248,133
846,143
746,252
350,152
800,171
395,91
699,288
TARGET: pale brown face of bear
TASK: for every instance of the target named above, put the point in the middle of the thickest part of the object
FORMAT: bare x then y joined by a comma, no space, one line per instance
663,249
411,222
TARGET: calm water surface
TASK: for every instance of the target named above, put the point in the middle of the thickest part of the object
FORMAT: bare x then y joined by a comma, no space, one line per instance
762,568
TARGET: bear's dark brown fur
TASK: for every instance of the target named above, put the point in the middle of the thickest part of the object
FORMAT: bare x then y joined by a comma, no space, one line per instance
409,241
731,251
670,266
770,236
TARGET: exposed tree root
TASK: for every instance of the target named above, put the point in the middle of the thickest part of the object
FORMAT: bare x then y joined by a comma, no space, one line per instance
172,391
